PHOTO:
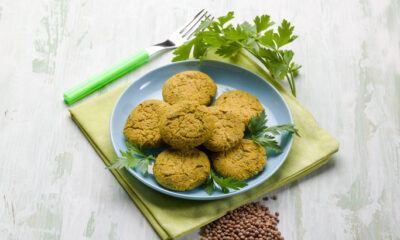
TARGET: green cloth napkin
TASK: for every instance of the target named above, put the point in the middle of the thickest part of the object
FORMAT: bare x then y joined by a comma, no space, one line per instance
172,217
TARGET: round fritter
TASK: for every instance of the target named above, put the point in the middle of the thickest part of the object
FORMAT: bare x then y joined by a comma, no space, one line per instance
241,162
189,85
228,131
142,125
181,170
186,125
240,102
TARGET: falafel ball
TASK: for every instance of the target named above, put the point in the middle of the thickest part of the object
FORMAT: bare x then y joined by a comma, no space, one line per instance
243,103
142,125
243,161
189,85
228,131
186,125
181,170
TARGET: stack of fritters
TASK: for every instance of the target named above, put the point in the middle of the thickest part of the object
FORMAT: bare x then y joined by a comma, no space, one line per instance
184,122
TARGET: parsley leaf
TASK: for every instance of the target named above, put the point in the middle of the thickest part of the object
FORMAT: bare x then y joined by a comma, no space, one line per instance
262,23
228,50
134,149
223,183
133,157
204,24
224,19
267,39
199,49
276,130
183,52
267,142
234,34
248,29
257,124
256,38
265,136
285,34
278,69
209,186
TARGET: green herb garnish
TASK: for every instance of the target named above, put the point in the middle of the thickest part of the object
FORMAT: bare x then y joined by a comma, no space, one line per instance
224,184
264,135
257,38
132,158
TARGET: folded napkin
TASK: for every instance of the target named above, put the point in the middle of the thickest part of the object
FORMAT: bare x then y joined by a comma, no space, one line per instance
173,217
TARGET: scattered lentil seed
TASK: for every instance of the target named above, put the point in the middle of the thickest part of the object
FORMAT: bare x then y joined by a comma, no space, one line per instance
251,221
274,197
266,198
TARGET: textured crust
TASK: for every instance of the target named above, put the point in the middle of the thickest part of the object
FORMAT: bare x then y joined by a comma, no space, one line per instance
243,103
142,125
228,131
241,162
189,85
186,125
181,170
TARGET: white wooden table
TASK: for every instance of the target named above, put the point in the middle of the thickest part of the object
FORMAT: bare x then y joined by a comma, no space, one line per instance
54,186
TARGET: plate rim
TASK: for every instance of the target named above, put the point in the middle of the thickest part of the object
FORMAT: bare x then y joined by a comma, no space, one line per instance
210,197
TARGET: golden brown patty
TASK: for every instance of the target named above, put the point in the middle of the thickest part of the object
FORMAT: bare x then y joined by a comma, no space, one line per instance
228,131
189,85
240,102
186,125
142,125
181,170
241,162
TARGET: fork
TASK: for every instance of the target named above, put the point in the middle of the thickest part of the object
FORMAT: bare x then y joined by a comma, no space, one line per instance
179,37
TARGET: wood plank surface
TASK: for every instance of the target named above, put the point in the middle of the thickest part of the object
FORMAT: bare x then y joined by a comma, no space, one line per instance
54,186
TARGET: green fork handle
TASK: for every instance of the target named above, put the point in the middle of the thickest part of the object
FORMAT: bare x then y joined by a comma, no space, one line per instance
110,74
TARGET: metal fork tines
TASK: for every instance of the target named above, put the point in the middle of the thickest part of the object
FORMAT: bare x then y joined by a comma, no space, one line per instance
183,34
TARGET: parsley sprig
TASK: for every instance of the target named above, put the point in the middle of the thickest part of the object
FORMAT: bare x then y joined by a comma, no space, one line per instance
224,184
264,135
257,38
132,158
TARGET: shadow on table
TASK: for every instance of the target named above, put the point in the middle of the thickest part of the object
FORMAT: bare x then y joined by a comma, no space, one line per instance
322,170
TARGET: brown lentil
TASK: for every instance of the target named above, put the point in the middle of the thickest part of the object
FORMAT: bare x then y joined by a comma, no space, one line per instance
274,197
251,221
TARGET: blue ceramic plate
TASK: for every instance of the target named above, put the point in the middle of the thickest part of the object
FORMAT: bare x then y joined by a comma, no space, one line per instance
227,77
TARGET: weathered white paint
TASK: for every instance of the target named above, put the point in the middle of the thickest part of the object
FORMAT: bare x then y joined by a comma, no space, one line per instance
54,186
